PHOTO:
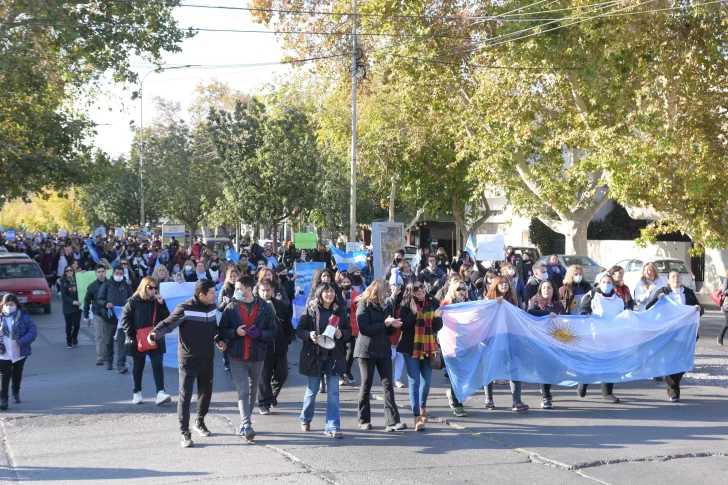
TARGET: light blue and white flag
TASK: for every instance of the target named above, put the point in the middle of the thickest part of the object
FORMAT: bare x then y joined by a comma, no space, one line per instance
232,255
483,341
304,273
358,258
470,247
416,262
92,250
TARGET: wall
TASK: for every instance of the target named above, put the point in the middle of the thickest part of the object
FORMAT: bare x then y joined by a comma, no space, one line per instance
716,264
607,252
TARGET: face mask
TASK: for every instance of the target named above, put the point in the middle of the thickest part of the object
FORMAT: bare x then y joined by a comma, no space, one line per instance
606,287
9,310
545,275
188,270
118,278
577,278
213,268
238,295
511,272
176,269
346,287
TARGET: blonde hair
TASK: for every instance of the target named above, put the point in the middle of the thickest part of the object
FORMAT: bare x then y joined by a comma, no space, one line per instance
375,293
156,275
569,278
452,290
654,270
141,290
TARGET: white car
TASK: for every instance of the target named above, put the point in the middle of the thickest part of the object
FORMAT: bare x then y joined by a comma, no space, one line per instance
410,252
633,270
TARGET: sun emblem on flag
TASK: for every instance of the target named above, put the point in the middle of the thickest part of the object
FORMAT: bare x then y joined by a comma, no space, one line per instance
564,333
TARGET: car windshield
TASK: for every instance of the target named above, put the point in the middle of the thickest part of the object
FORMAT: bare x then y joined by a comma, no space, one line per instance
19,270
410,250
667,266
580,260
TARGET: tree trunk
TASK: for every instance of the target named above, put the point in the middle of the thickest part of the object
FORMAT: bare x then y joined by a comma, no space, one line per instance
575,233
274,237
193,230
391,200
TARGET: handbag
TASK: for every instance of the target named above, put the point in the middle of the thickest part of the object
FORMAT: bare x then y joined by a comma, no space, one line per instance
143,344
718,297
436,360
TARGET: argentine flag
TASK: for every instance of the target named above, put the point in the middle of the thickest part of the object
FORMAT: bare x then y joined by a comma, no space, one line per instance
470,247
483,341
358,258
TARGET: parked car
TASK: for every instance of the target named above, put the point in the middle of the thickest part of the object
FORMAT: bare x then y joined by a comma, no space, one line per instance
24,278
7,255
633,270
591,268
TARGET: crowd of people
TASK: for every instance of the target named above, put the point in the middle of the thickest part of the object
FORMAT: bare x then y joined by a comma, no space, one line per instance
244,308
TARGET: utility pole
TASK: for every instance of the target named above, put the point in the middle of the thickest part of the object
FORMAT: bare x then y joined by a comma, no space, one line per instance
354,56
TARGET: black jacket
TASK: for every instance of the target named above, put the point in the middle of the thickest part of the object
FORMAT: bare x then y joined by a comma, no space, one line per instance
138,313
114,293
285,335
530,289
690,298
90,300
68,299
308,364
265,321
198,332
373,340
407,339
225,291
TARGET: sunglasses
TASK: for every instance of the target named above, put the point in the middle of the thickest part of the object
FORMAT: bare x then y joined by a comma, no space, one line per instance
417,287
69,271
151,287
462,289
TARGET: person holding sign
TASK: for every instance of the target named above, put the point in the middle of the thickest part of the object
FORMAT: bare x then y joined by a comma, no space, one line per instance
574,289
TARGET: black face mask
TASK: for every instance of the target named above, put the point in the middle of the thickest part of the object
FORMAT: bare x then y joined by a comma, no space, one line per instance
213,268
346,287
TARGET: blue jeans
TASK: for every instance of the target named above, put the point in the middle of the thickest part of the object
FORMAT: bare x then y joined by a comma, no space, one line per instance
419,376
333,422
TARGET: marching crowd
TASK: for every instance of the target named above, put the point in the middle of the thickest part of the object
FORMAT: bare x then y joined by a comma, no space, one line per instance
245,309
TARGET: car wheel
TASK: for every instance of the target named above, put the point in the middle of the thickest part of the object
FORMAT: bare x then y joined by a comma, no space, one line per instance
47,309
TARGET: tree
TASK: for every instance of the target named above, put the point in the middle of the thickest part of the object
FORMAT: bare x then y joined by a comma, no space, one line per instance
270,160
52,54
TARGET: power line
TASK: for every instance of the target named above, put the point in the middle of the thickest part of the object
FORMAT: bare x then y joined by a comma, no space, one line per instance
482,66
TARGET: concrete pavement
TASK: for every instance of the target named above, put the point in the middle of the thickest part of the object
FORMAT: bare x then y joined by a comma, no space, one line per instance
77,425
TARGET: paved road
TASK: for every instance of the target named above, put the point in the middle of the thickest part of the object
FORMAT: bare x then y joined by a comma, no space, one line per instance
77,425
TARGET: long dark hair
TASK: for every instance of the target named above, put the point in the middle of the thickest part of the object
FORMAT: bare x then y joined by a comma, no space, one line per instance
320,289
10,297
408,295
555,293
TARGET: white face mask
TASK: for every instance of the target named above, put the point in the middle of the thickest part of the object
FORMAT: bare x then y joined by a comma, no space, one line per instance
9,309
118,278
577,278
511,272
606,287
238,295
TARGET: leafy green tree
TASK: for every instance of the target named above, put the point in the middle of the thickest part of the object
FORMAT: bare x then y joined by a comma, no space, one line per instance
52,54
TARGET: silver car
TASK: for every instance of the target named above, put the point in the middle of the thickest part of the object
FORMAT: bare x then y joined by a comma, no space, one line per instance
591,268
633,270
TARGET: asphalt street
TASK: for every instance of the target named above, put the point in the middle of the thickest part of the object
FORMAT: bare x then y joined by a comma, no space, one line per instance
77,424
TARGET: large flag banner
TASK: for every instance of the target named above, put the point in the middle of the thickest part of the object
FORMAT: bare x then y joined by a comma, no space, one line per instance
358,258
92,251
483,341
304,273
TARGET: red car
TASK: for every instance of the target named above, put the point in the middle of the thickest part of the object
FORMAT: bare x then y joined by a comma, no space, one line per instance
24,278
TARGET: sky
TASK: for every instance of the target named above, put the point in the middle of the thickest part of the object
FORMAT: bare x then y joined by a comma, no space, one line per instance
113,112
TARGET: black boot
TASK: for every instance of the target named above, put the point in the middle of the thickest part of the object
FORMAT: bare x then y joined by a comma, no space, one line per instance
16,397
3,404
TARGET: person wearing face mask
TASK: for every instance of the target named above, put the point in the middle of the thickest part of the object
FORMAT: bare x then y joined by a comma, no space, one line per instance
433,275
146,308
225,296
248,325
574,289
114,292
17,332
681,295
275,368
214,271
509,271
539,274
546,303
526,266
139,265
189,273
398,258
71,307
602,302
90,302
443,262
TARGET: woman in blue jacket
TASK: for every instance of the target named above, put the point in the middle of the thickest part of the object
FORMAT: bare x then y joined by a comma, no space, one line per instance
17,333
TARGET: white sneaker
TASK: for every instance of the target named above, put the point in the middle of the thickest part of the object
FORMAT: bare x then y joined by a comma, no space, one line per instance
399,384
137,399
162,398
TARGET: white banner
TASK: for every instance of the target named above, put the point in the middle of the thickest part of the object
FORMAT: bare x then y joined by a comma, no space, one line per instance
490,247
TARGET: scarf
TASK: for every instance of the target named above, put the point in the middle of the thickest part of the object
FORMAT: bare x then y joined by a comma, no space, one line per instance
248,321
6,333
424,344
549,305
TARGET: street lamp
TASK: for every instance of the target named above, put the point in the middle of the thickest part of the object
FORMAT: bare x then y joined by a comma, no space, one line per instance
141,146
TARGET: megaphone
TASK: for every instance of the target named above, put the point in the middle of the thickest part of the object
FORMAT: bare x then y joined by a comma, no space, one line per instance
326,339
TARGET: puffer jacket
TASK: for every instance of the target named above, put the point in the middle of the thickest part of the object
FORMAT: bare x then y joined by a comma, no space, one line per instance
27,331
266,322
